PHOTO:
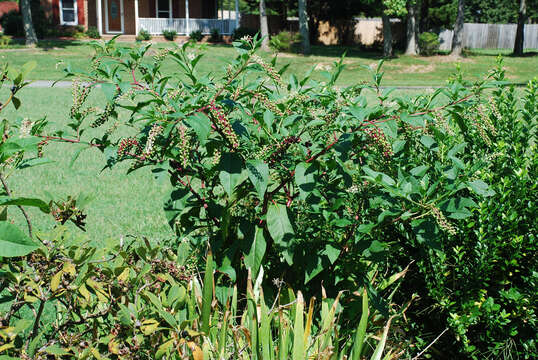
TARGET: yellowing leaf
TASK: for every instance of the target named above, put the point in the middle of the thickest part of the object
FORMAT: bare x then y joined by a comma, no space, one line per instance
69,268
84,292
113,347
197,353
6,347
164,348
149,326
55,281
96,354
124,275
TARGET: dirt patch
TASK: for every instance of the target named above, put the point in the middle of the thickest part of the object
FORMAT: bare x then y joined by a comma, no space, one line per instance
323,66
420,69
449,59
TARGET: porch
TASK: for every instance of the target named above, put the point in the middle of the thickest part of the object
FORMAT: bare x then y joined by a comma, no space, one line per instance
184,16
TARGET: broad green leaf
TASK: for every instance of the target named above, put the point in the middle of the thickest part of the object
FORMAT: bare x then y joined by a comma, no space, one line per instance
419,171
278,223
230,174
43,206
427,141
258,173
13,242
109,90
201,125
253,259
481,188
304,178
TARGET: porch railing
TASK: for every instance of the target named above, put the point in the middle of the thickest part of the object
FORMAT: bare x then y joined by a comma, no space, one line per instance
155,26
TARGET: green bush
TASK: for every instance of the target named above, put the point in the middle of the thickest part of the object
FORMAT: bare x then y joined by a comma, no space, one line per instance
300,182
242,31
216,37
170,35
143,35
283,41
93,33
196,36
428,43
12,23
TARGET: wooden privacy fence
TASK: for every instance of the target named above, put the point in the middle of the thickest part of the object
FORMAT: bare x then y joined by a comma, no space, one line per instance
491,36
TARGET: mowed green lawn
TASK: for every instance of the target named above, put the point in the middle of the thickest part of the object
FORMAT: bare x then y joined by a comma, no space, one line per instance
403,70
123,204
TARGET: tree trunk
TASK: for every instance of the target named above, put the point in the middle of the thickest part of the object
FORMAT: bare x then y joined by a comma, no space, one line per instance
412,29
29,32
264,26
387,36
520,33
303,26
457,40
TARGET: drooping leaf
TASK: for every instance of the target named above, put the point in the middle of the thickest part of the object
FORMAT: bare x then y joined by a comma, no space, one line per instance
13,242
258,173
201,125
230,172
253,259
278,223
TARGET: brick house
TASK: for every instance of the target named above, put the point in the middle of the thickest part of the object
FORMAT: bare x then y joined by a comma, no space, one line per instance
130,16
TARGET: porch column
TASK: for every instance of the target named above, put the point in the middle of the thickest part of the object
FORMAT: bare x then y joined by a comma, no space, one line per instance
99,18
187,17
237,18
137,25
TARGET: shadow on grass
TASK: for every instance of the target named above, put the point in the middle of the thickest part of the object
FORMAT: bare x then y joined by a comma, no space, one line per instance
340,50
46,45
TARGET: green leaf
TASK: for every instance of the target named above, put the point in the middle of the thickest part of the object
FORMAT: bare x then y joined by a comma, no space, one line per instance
419,171
207,293
253,259
34,162
43,206
258,173
278,223
13,242
427,141
201,125
331,252
230,174
304,177
16,103
109,90
268,119
28,67
481,188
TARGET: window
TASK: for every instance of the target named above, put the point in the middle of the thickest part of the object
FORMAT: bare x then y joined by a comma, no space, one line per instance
164,9
68,12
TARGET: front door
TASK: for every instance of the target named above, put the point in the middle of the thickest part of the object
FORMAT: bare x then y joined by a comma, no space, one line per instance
114,16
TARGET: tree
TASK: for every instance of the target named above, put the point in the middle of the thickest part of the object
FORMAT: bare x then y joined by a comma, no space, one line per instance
457,40
303,26
520,33
29,32
412,28
264,27
390,8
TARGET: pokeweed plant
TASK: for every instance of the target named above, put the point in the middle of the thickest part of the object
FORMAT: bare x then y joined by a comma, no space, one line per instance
299,176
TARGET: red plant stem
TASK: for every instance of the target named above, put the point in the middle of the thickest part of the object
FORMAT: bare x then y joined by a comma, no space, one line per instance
198,197
327,148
